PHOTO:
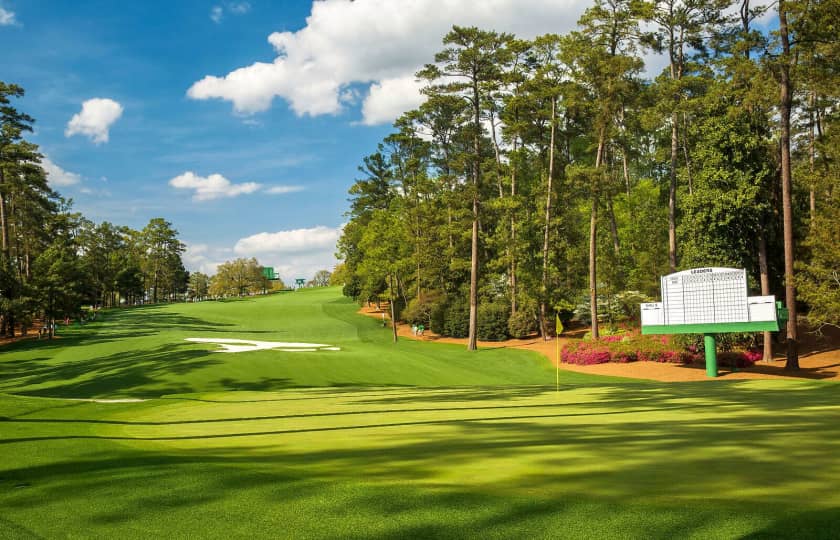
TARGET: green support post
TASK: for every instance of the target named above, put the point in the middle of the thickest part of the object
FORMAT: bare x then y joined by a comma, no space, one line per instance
711,355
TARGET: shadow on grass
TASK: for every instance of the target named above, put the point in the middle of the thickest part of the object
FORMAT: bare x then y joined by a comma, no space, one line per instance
816,524
626,471
139,321
140,373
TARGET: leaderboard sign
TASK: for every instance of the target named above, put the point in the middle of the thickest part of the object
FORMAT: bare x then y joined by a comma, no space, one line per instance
703,300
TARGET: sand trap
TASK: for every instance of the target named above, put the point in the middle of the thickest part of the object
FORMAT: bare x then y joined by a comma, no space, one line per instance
248,345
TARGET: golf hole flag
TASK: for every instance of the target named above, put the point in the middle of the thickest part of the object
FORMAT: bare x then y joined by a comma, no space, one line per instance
558,327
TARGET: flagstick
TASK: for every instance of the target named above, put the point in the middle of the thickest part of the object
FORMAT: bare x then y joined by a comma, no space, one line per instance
557,363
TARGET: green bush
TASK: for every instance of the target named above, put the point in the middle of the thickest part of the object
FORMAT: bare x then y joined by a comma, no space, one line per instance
493,321
725,342
565,310
399,308
522,324
456,322
353,288
420,309
622,307
437,318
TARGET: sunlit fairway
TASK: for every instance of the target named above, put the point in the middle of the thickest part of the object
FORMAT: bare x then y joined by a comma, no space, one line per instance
378,440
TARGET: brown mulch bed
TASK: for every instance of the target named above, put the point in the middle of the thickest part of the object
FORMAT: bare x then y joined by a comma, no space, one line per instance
819,357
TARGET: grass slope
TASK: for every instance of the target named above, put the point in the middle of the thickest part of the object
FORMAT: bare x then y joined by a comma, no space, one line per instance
141,352
422,456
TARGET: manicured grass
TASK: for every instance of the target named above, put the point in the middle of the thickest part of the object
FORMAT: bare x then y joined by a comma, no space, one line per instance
422,455
635,460
141,352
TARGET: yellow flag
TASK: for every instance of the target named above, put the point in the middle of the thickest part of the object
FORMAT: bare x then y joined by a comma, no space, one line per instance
559,325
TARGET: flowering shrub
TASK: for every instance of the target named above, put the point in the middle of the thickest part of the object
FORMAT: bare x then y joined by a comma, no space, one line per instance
625,348
585,353
633,347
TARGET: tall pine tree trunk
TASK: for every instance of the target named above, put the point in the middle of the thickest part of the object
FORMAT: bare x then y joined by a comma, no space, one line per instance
8,325
471,340
785,101
812,199
391,302
672,197
613,226
765,286
512,268
593,235
547,225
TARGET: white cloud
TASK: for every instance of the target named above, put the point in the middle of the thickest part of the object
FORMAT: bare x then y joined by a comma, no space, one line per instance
7,18
293,253
202,258
239,8
211,187
390,98
58,177
95,119
217,13
282,190
292,241
376,43
297,253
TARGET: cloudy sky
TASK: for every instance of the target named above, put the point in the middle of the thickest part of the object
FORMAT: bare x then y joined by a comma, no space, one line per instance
241,122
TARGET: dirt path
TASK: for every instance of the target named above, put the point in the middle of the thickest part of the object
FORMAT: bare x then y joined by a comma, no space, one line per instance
819,358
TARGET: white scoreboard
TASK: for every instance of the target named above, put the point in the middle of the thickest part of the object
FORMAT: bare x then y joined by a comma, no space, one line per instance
707,295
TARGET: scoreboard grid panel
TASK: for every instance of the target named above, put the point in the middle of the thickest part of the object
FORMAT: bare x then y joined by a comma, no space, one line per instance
712,297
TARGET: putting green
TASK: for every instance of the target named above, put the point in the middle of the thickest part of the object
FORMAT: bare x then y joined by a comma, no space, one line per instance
601,458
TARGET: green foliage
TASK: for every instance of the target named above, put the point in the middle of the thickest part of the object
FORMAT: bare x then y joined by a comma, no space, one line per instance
199,286
522,324
818,280
352,288
339,276
493,321
238,278
321,278
565,310
726,342
456,320
420,309
622,307
58,280
619,151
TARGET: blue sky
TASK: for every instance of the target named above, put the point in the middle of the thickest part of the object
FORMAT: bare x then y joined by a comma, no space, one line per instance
242,123
145,56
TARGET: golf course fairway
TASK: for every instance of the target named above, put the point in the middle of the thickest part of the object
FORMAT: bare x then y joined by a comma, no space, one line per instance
124,429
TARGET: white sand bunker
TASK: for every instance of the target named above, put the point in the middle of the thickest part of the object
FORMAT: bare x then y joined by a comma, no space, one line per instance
247,345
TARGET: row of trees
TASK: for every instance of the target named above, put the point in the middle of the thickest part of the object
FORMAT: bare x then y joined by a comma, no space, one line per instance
243,277
239,277
52,260
549,175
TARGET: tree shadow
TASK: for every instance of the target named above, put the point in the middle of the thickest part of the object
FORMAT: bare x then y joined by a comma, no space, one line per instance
119,326
816,524
138,373
642,460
